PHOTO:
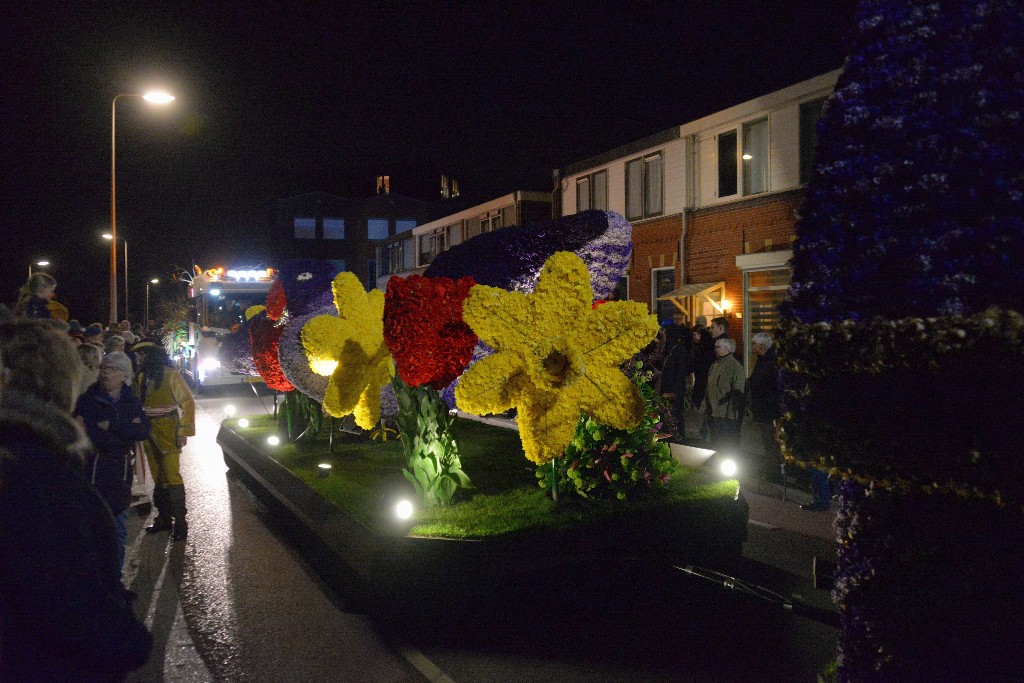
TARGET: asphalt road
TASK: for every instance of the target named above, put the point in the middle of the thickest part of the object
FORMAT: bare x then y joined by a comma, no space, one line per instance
236,602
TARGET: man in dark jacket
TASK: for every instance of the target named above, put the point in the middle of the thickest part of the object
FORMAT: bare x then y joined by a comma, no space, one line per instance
114,420
763,398
64,615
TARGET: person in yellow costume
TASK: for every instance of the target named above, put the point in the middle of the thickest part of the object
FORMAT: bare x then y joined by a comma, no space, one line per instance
172,412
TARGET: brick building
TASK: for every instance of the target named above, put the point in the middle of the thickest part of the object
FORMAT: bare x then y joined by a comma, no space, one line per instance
713,205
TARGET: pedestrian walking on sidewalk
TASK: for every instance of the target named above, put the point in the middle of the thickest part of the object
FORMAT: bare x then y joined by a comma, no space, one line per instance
723,401
64,614
763,399
114,420
172,414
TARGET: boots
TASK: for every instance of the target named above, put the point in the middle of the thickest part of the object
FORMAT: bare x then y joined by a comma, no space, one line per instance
176,496
162,502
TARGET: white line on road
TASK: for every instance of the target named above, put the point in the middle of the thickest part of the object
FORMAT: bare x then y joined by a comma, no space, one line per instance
765,525
425,666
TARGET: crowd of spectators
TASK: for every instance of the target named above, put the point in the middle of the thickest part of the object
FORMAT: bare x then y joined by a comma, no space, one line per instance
74,422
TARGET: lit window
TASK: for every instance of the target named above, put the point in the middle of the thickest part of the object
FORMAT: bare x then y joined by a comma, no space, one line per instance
305,228
334,228
376,228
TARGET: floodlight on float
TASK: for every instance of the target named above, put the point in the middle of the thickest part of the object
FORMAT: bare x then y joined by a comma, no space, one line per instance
230,410
323,470
727,467
403,510
273,440
243,423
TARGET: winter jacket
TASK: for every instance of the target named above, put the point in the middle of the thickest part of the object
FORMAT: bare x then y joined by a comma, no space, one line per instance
763,388
64,615
724,397
109,465
676,370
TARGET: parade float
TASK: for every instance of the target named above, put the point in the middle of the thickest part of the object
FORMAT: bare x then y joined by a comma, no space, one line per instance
502,326
901,344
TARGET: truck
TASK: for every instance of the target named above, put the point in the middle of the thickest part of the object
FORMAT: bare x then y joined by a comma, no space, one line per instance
218,300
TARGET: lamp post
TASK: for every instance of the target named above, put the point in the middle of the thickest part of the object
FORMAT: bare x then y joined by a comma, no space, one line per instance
145,325
155,98
37,263
108,236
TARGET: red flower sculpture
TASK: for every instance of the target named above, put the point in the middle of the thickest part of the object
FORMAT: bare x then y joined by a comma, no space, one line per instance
424,329
276,300
265,337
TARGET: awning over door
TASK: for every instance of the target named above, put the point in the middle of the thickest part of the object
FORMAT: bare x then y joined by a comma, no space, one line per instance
690,298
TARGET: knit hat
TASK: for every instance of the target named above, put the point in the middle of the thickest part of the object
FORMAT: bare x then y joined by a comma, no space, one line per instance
75,325
93,330
121,361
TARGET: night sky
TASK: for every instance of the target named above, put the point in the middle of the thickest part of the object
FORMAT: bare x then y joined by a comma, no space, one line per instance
279,99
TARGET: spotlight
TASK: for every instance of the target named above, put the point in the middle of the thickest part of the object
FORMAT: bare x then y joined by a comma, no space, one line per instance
230,410
243,423
403,510
323,470
728,467
273,440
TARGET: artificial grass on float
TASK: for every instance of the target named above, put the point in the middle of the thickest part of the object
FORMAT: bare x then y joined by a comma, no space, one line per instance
366,473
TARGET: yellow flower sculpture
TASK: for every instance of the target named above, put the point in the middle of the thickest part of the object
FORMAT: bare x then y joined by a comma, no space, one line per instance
350,350
555,356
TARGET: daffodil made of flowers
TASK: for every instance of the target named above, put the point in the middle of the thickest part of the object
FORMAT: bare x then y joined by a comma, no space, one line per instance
349,349
555,356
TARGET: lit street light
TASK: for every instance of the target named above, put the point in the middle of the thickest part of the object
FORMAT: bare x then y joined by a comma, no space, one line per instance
108,236
155,98
37,263
154,281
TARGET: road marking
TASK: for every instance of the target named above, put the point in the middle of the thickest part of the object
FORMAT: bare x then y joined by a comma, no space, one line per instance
425,666
764,525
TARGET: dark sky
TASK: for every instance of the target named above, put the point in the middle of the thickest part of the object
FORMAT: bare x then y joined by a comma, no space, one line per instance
278,99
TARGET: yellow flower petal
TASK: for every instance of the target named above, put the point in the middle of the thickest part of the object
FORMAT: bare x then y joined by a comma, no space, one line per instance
563,292
545,432
322,338
609,397
501,319
615,331
487,386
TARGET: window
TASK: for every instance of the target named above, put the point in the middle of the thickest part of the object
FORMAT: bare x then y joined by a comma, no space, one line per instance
334,228
755,157
663,281
376,228
403,224
490,221
305,228
393,258
454,234
644,187
371,274
727,164
592,192
764,291
621,291
433,243
810,114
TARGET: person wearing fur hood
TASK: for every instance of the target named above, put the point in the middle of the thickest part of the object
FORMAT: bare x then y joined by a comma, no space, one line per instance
65,614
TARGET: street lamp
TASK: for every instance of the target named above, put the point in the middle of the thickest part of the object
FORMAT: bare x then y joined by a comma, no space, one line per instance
37,263
155,98
154,281
108,236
